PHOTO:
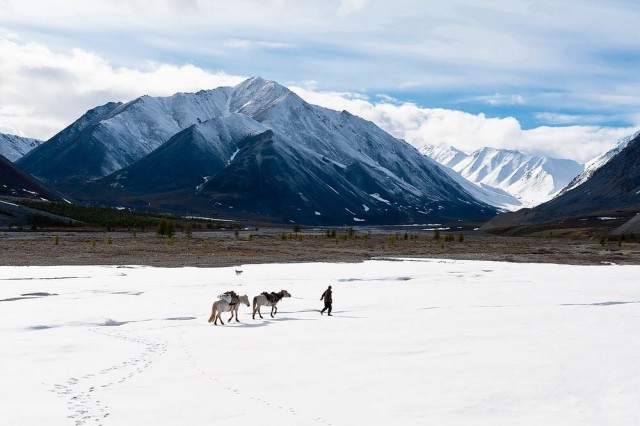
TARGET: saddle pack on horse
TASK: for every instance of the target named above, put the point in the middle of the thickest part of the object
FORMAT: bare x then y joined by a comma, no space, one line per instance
230,297
271,297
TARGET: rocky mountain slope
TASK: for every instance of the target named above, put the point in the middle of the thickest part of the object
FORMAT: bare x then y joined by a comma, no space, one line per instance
597,163
612,190
16,183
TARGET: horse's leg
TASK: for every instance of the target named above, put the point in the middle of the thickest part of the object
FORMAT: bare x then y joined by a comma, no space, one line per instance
213,314
272,308
259,312
231,315
219,317
236,312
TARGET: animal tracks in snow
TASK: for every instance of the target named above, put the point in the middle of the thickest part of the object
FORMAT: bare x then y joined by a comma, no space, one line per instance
84,405
255,399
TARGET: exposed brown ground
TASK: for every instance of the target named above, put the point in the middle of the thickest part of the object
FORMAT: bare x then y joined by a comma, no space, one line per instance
211,249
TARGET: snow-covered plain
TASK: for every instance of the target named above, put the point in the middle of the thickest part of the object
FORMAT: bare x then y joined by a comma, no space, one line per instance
411,342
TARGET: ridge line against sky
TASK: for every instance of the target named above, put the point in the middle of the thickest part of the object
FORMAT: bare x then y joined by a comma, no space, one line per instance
539,77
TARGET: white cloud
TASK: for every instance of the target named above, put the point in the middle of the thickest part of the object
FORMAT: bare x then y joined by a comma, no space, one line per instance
568,119
348,7
245,44
501,100
468,132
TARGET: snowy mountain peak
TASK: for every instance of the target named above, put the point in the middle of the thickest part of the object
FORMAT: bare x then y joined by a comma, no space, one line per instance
444,154
531,180
257,87
14,147
253,96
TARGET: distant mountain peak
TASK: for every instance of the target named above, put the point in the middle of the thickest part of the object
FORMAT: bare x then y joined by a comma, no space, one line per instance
530,180
14,147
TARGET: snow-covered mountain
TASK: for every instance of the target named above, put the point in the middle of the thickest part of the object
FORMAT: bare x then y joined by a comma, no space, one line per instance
444,154
112,136
15,147
255,148
597,163
529,180
321,162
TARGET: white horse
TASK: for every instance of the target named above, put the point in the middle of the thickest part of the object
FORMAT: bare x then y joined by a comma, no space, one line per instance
220,306
262,300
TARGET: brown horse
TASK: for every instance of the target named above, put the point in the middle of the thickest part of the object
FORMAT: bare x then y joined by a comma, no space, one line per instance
220,306
268,299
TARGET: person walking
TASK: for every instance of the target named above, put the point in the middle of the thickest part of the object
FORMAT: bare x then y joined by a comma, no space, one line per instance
327,297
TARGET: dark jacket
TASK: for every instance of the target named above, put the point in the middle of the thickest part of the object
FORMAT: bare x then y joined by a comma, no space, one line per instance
326,296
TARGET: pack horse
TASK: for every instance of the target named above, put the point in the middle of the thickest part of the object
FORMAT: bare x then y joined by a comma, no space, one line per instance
268,299
225,305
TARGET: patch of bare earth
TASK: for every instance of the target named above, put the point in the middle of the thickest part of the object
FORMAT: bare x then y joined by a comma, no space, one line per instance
224,248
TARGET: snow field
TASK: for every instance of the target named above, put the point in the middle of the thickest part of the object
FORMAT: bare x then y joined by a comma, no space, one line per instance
411,342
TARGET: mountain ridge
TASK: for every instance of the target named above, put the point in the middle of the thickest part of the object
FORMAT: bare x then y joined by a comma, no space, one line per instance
268,153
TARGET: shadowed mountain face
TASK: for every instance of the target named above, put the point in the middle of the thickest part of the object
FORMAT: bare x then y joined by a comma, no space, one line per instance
256,149
190,157
16,183
614,186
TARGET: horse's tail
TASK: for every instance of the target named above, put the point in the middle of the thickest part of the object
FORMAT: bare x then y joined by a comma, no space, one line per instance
255,303
213,313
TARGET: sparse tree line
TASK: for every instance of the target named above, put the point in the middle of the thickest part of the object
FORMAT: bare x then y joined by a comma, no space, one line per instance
350,233
111,219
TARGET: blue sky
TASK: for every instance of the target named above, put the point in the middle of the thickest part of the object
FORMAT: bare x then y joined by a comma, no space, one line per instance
548,77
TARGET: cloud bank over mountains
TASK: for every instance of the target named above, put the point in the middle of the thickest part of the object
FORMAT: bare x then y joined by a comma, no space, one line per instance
420,126
43,90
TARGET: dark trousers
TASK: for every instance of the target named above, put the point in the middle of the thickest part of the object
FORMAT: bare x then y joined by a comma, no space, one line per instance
326,306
